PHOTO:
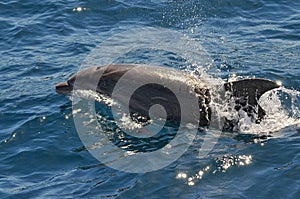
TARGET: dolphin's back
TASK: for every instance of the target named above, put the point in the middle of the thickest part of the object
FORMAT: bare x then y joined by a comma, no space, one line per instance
155,85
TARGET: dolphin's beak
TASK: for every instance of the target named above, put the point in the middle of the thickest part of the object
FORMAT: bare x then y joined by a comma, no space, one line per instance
63,88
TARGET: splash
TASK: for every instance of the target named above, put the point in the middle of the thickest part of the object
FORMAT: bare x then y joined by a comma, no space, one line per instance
91,95
281,106
282,111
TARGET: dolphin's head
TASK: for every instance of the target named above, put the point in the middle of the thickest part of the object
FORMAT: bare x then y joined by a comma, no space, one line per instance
101,79
86,79
66,87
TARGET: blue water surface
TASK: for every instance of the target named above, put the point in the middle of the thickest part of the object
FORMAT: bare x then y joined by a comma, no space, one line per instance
44,42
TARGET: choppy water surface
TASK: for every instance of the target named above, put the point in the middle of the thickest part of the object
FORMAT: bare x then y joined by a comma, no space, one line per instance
44,42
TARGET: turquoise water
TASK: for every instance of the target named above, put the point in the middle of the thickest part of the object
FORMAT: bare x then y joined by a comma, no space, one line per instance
44,42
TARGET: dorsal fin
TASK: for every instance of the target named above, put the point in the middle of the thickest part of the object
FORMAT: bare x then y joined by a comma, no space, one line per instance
253,89
248,91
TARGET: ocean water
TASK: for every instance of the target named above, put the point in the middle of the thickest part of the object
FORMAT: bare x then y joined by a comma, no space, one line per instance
45,42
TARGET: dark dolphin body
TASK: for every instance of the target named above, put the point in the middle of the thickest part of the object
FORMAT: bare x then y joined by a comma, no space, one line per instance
103,79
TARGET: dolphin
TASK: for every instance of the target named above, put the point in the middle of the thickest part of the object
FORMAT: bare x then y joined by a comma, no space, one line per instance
150,85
